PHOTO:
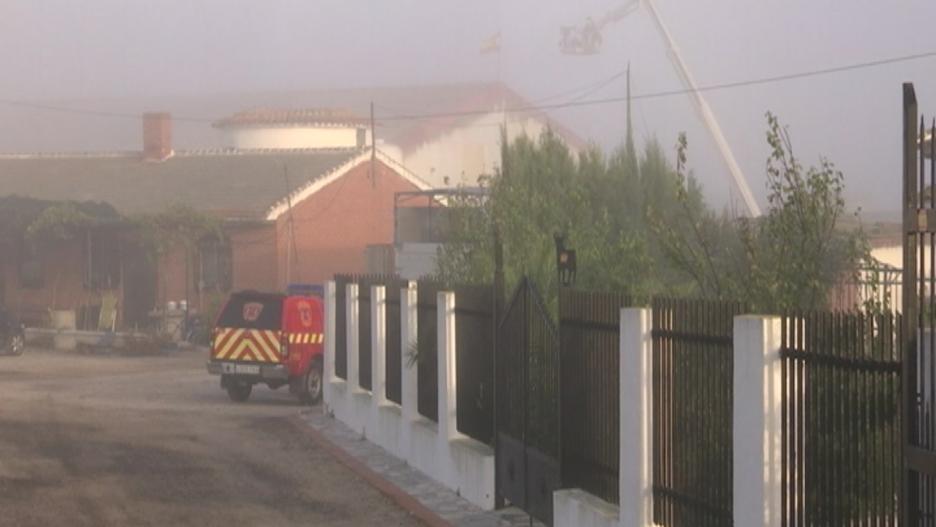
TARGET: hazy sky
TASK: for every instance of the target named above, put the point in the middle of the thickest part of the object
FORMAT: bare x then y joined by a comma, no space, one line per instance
70,49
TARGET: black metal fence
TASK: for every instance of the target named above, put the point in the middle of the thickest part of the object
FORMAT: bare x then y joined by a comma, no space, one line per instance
365,341
841,427
692,411
341,326
527,404
427,352
474,349
919,315
589,329
394,359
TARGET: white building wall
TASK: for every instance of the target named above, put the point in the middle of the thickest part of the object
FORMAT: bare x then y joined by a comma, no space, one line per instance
468,151
892,255
292,137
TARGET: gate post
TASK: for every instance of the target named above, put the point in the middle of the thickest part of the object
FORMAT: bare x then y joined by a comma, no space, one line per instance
635,480
448,403
352,322
378,345
329,373
757,424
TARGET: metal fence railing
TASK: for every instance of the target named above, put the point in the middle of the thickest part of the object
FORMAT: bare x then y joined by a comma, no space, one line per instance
394,358
692,411
589,331
841,427
364,332
474,349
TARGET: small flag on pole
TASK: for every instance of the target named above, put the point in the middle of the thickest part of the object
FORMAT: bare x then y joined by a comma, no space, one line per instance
492,44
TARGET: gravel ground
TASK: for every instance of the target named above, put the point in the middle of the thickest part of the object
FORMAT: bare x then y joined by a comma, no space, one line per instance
97,441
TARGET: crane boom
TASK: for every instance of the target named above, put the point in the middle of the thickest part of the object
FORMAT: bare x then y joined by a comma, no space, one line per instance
587,40
705,111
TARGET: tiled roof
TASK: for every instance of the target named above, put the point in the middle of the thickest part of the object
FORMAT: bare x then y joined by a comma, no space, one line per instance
37,130
244,183
291,117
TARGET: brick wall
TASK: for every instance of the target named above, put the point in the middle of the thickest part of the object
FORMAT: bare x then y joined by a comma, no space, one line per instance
62,284
335,225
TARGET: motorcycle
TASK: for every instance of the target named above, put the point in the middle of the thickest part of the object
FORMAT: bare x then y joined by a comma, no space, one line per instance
12,335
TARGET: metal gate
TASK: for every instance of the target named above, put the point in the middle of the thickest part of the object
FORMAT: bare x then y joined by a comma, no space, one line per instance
527,404
919,309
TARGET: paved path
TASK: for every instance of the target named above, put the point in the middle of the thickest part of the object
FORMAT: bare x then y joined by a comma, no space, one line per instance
438,499
100,441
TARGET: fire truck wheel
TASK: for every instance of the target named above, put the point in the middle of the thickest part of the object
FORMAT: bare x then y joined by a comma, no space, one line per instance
239,391
312,384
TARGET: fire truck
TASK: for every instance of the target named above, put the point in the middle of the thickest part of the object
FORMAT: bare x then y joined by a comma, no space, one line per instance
269,338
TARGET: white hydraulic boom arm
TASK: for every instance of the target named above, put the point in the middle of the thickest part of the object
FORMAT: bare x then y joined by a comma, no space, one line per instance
702,106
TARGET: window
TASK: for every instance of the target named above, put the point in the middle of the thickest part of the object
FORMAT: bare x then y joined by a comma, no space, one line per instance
215,267
102,260
29,265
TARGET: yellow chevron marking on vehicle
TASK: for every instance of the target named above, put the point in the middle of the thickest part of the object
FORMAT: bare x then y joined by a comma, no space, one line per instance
248,345
292,338
265,340
231,341
321,338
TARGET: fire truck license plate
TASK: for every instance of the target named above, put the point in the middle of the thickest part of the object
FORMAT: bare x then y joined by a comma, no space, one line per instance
249,369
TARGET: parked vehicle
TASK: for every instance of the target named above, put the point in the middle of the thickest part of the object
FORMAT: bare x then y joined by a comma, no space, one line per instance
272,339
12,335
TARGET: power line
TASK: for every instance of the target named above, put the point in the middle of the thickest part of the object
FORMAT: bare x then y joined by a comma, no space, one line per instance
670,93
583,91
94,113
574,103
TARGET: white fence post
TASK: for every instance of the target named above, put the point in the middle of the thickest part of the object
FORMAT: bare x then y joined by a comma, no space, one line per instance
636,415
757,421
351,342
445,315
329,373
379,344
408,335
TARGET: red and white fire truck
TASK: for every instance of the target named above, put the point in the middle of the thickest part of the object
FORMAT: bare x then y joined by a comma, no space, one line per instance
272,339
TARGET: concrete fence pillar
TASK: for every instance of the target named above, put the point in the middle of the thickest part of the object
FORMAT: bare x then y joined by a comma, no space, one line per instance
329,373
379,344
351,323
448,401
635,478
757,421
408,336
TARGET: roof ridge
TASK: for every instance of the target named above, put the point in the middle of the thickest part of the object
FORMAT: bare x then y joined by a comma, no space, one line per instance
188,152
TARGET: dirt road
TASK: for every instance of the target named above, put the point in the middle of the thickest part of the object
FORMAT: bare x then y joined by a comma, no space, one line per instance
101,441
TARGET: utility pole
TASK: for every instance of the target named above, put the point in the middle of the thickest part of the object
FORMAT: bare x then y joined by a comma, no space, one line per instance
633,159
373,139
291,252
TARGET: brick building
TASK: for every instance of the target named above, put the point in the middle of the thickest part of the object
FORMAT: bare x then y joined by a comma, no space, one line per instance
288,215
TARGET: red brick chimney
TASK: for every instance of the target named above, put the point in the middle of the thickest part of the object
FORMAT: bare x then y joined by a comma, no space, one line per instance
157,136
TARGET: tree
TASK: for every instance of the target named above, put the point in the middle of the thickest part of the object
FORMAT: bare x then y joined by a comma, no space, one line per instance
789,259
543,190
